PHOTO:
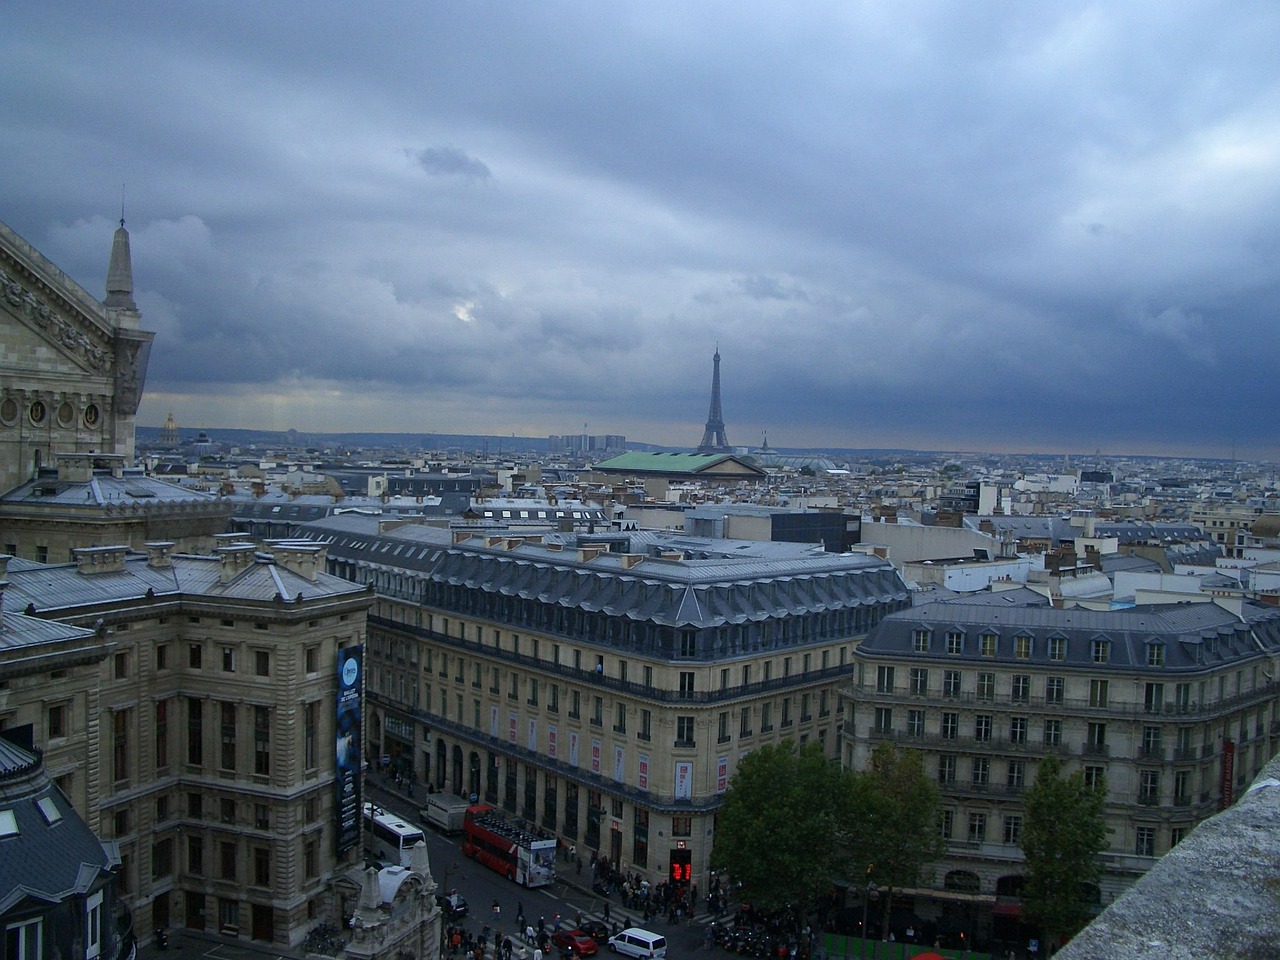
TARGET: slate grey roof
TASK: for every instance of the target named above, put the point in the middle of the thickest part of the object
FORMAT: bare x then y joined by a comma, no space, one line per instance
681,580
62,585
18,630
133,488
1195,635
47,861
1112,563
1058,529
284,508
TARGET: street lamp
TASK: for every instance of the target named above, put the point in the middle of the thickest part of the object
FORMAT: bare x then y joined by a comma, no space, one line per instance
868,895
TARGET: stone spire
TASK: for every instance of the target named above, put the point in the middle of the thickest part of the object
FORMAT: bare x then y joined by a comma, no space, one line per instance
120,273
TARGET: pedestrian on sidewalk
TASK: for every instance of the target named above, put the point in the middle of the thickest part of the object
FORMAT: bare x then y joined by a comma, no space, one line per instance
519,915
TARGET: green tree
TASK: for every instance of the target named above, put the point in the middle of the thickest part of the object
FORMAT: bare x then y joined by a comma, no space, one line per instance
892,821
1064,831
777,830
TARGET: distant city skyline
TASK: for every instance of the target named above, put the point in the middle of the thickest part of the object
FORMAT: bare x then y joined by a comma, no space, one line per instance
1013,228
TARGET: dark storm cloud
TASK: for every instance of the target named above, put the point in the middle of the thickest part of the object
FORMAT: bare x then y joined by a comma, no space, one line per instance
451,162
1000,225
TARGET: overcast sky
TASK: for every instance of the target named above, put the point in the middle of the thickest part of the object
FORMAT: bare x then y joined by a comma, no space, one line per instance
1004,226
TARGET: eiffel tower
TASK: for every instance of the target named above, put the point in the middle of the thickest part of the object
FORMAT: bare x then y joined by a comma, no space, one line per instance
713,439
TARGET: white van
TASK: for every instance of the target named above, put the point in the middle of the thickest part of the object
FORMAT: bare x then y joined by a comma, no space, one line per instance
634,942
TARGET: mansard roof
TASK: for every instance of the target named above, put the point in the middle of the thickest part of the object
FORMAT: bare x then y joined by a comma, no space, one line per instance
51,854
667,578
66,585
1195,635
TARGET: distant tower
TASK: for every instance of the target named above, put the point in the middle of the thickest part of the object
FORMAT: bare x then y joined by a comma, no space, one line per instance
713,438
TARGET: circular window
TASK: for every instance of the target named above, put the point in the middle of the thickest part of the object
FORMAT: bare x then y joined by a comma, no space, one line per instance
8,410
91,415
66,413
38,411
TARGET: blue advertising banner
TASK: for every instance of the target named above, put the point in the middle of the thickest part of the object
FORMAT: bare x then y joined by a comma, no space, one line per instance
350,738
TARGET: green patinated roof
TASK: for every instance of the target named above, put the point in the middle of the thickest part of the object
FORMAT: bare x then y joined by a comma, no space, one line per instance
690,463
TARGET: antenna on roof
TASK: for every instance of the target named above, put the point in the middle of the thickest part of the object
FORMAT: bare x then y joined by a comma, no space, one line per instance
122,204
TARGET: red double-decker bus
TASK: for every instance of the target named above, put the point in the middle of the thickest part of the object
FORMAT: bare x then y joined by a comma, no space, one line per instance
502,846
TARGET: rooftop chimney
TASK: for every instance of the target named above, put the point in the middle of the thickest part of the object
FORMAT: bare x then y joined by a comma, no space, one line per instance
95,560
235,559
160,554
304,558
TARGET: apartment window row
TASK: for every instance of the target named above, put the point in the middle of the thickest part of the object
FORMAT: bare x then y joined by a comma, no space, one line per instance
1018,647
580,624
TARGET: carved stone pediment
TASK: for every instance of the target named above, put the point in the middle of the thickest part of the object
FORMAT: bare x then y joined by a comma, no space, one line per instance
57,320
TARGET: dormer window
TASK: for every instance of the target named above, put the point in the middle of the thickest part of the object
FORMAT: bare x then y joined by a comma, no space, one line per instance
1155,654
955,642
920,641
1101,651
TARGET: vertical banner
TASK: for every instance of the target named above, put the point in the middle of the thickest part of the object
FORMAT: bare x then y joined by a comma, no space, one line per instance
532,740
573,748
551,741
722,774
642,772
684,781
619,764
493,721
1227,784
350,739
595,754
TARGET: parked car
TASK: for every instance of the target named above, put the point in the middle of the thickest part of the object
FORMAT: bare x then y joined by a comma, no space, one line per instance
578,941
597,930
454,905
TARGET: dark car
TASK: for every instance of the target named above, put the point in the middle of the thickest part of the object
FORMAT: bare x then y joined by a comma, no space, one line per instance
453,905
576,941
597,930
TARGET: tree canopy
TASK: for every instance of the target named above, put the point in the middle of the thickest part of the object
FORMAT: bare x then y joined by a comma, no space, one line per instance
777,830
1064,831
895,818
794,823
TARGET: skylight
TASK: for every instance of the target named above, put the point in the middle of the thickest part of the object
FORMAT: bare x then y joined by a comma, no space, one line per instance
8,824
49,810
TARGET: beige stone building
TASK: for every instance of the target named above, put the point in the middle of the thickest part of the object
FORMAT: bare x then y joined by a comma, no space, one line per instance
191,720
1173,707
72,370
73,367
180,685
602,689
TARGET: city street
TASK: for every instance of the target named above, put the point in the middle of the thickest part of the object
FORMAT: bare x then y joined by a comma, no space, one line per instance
568,896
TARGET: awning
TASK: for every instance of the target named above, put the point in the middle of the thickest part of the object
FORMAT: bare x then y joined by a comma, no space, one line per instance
956,896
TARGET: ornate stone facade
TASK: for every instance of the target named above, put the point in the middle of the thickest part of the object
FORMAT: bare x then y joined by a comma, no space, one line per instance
73,368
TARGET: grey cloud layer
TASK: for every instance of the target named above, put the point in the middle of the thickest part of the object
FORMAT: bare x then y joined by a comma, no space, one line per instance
982,225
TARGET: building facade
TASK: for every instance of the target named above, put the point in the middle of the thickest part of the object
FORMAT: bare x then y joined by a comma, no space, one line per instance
603,691
1171,708
186,706
73,366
